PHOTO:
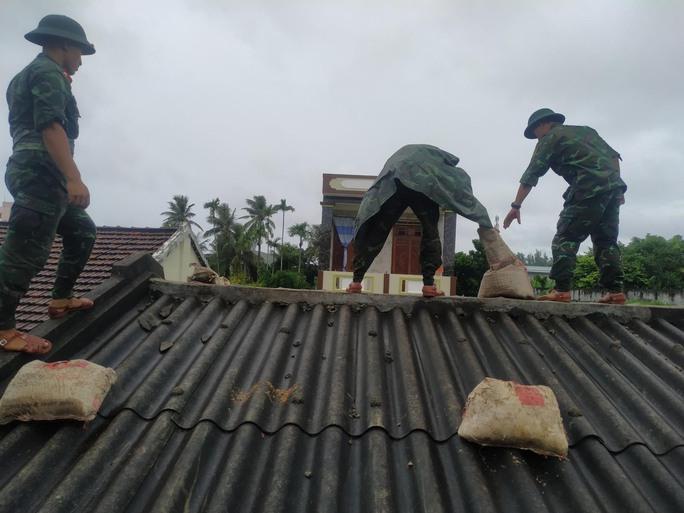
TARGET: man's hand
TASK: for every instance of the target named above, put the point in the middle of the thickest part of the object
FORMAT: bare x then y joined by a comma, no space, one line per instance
514,213
79,195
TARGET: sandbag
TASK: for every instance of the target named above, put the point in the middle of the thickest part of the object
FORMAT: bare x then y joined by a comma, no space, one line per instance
507,275
497,251
510,281
508,414
60,390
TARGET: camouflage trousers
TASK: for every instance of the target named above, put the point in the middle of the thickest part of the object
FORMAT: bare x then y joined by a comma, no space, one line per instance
40,211
597,217
371,235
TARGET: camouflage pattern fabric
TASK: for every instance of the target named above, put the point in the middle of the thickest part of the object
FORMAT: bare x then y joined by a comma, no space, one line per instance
581,157
599,217
430,171
38,96
371,237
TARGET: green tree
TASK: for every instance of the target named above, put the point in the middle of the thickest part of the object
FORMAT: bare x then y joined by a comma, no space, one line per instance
179,212
259,221
283,207
586,275
655,262
300,230
469,268
244,261
542,283
222,221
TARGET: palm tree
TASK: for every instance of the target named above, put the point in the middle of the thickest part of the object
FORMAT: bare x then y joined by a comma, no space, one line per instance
300,230
273,244
222,221
283,207
244,257
179,213
259,223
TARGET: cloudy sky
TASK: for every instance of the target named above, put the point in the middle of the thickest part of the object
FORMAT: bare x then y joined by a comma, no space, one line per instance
231,99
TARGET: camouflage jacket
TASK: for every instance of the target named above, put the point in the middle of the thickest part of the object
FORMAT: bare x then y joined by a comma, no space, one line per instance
581,157
431,171
38,96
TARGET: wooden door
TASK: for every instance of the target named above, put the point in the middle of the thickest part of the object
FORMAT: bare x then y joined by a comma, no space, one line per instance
406,249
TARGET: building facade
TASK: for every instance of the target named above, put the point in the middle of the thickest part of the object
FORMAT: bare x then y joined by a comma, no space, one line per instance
397,268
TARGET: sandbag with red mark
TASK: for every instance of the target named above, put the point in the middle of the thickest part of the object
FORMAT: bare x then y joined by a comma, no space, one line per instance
508,414
59,390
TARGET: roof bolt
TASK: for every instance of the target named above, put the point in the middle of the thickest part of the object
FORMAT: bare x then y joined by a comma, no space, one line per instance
307,474
297,343
410,464
331,322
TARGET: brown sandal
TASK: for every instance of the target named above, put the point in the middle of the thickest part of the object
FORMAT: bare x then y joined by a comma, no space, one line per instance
28,343
58,308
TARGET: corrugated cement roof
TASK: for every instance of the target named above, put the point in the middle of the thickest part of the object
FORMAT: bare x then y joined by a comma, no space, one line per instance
237,399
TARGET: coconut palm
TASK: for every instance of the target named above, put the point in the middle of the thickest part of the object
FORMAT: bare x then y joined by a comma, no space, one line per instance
179,213
243,261
222,221
300,230
259,223
283,207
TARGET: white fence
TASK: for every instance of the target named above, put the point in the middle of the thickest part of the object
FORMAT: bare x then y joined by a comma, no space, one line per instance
674,297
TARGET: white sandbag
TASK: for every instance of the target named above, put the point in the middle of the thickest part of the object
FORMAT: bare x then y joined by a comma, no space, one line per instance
508,414
510,281
60,390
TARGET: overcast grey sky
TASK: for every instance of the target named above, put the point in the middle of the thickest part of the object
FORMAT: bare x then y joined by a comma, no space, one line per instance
230,99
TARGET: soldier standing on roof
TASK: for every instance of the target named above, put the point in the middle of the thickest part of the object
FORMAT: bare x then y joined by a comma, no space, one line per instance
592,202
49,195
424,178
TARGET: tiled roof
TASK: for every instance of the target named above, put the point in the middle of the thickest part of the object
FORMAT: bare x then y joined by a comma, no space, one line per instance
112,244
239,399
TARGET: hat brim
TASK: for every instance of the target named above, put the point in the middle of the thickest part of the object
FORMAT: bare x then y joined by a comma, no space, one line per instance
529,131
42,36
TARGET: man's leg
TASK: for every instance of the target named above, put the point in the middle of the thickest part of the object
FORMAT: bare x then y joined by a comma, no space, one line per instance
427,212
22,256
574,225
607,252
372,235
78,237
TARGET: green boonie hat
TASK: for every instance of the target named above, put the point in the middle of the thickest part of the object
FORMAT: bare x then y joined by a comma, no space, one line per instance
63,27
541,115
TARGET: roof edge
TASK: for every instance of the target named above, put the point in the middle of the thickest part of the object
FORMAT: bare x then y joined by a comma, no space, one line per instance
383,302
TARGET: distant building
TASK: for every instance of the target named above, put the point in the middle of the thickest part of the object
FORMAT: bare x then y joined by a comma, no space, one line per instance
538,270
397,268
5,211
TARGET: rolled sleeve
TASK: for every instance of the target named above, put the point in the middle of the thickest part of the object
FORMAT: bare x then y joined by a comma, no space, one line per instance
50,96
541,161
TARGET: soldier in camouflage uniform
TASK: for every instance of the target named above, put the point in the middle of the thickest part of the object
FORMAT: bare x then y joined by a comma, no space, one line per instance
592,202
49,195
423,178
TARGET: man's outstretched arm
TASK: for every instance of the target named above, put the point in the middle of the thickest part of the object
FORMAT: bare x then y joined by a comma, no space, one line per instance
514,213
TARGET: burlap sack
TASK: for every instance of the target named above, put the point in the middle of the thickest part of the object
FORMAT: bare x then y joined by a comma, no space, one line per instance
60,390
497,251
509,281
507,414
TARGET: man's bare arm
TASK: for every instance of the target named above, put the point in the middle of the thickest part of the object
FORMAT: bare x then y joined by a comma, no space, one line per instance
514,213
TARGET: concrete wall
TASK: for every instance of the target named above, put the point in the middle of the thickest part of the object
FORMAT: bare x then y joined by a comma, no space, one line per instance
670,298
